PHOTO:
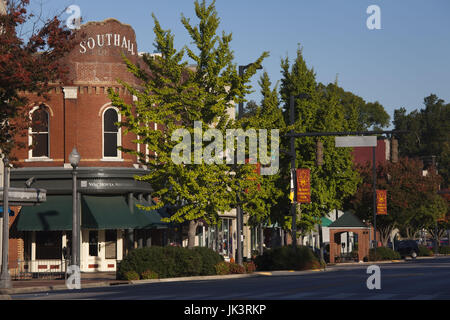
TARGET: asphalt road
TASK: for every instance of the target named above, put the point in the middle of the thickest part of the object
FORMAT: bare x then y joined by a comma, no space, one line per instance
413,280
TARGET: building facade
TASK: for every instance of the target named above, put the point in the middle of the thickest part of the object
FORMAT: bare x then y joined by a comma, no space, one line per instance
79,114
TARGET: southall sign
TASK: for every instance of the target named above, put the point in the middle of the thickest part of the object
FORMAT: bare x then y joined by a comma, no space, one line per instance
107,40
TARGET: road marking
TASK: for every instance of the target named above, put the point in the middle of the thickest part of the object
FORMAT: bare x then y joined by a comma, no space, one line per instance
423,297
338,296
297,296
384,296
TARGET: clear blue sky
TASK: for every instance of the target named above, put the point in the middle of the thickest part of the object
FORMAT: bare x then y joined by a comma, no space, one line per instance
399,65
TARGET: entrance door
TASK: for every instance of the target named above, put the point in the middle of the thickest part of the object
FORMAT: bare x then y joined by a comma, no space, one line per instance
94,259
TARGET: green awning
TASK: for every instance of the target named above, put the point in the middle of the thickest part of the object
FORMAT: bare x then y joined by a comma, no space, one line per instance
325,222
106,213
55,214
348,220
150,219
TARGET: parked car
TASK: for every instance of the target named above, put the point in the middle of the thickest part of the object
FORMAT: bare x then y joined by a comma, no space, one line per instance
407,248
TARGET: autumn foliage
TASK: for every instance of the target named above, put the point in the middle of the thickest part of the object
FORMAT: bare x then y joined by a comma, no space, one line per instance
30,61
412,197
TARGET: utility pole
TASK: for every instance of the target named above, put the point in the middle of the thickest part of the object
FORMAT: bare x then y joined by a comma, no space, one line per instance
293,173
5,278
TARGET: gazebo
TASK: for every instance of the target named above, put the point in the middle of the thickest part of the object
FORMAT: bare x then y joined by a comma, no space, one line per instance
346,224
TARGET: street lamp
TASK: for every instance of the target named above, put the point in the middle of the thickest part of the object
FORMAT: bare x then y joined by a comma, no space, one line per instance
5,278
74,159
239,214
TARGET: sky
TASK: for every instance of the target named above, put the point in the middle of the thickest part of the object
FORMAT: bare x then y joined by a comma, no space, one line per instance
397,65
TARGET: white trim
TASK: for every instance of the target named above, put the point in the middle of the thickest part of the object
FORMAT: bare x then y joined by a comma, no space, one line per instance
70,92
39,159
119,137
30,137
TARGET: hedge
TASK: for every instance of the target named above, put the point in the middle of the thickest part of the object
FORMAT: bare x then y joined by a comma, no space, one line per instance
169,262
444,250
287,258
425,252
383,253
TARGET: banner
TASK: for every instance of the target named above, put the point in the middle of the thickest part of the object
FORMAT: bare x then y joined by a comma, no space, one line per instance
257,171
381,202
303,185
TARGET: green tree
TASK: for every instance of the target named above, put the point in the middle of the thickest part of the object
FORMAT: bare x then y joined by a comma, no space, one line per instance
318,110
268,116
175,97
428,133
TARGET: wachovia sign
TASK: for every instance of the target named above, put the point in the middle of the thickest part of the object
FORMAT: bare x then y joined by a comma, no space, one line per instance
107,40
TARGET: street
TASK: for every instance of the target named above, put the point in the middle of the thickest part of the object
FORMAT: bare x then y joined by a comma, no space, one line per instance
427,279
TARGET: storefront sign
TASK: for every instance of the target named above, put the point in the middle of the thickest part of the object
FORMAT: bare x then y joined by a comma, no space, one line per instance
381,202
105,184
303,185
107,40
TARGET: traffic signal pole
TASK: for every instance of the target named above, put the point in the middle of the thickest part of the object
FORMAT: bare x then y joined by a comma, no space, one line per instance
293,173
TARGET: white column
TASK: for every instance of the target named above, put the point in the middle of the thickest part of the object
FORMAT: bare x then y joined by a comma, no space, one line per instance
119,245
33,252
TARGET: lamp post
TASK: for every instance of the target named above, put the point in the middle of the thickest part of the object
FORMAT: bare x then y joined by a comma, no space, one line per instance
74,159
239,213
5,278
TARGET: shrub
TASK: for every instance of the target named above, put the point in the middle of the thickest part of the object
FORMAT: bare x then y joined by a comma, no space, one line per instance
210,259
147,275
222,268
287,258
131,275
425,252
237,269
444,250
250,267
166,262
383,253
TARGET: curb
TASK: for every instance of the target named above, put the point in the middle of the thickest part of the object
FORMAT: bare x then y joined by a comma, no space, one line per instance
5,293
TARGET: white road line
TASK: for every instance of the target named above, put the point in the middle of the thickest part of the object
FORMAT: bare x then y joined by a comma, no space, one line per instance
382,296
235,296
297,296
423,297
338,296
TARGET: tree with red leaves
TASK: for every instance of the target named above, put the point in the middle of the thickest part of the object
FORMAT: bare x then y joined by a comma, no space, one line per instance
412,197
32,65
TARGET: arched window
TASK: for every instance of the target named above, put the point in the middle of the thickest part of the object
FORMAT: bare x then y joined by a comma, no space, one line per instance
111,134
39,133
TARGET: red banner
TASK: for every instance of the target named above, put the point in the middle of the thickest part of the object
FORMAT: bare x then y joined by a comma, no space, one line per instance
381,202
257,171
303,185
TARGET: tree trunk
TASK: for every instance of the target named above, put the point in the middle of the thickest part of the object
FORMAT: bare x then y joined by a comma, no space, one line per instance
193,224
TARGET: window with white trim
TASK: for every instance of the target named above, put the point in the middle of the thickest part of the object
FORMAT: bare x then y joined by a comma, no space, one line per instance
111,134
39,133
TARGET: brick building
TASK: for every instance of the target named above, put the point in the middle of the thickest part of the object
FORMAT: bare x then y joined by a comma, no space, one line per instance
79,114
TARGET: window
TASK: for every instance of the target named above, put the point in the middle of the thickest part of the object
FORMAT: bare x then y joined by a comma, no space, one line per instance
111,134
110,244
93,243
48,245
39,133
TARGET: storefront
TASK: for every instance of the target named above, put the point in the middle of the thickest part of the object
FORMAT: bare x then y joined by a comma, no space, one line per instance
111,221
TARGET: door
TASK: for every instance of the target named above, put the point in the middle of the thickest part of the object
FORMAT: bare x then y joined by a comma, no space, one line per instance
94,258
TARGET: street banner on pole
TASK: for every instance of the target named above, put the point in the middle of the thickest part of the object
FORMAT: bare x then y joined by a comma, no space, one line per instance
303,185
381,202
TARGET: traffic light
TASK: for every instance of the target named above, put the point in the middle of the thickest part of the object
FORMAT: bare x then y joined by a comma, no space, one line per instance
394,150
319,153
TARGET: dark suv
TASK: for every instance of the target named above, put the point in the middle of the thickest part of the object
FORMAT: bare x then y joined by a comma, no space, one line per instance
407,248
